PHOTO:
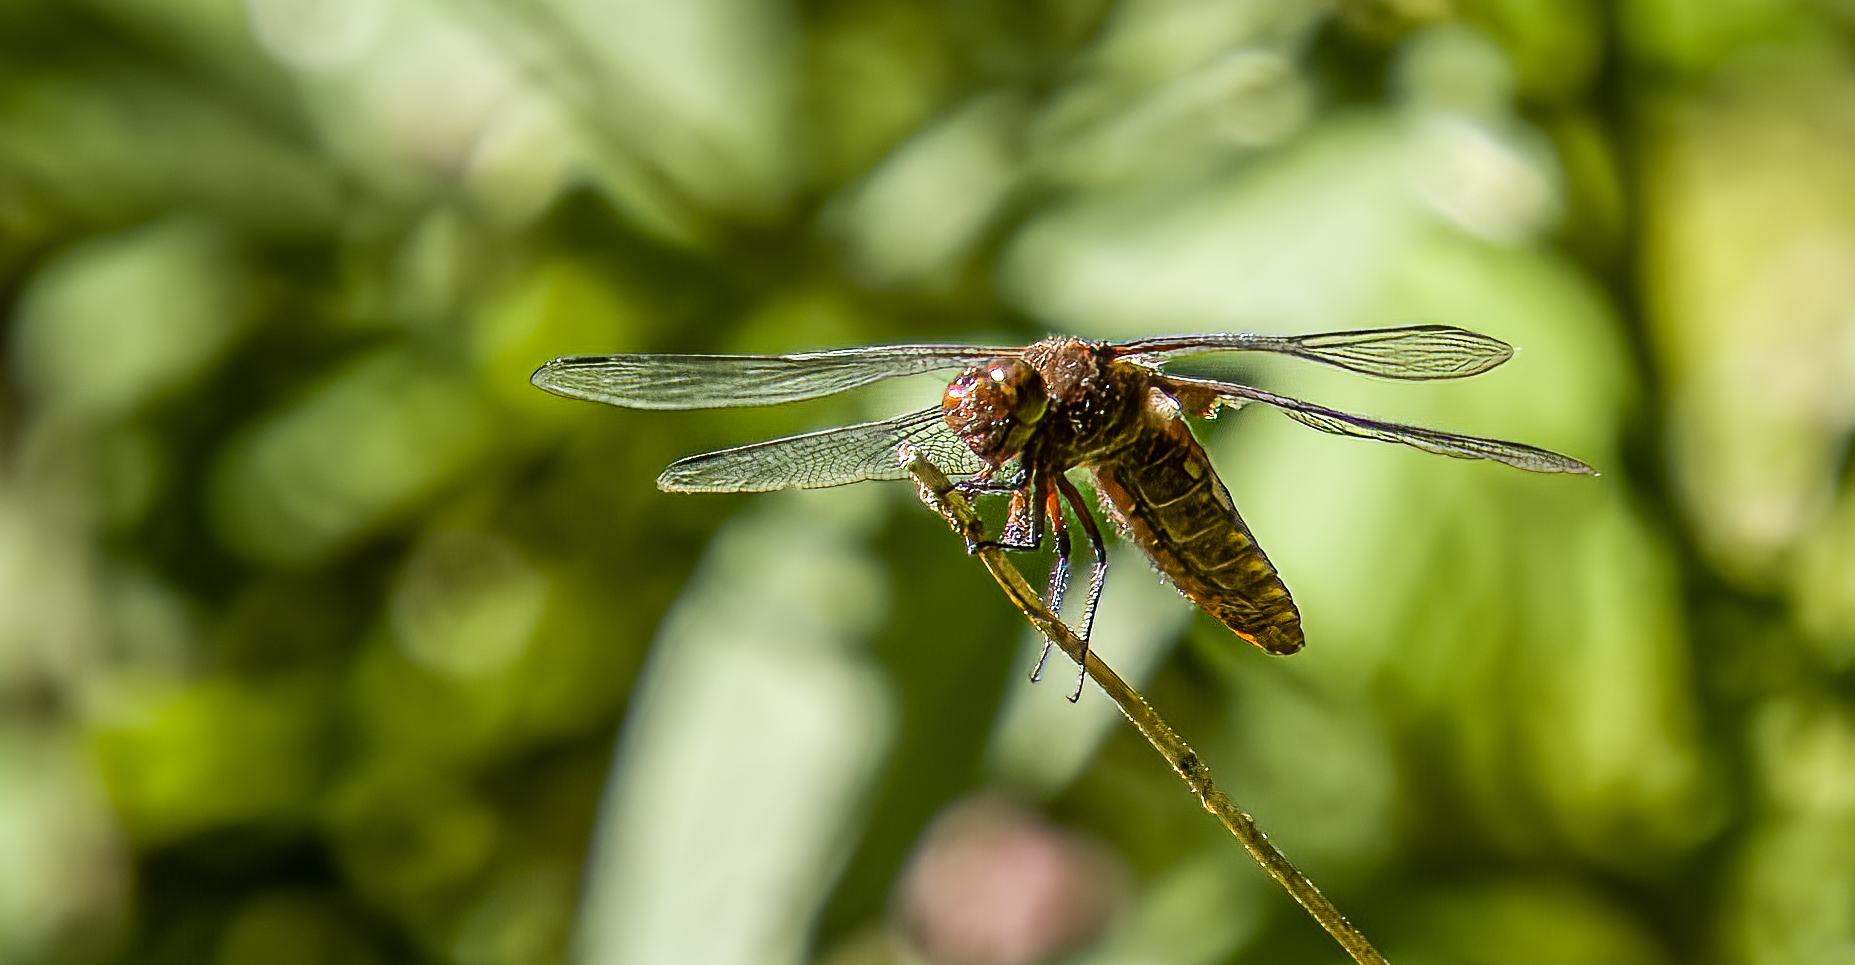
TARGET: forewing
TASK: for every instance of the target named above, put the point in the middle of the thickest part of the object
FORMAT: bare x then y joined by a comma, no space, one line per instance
716,381
1411,353
817,460
1199,395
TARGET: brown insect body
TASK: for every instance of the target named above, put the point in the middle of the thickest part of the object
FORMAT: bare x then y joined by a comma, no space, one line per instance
1115,418
1162,491
1055,405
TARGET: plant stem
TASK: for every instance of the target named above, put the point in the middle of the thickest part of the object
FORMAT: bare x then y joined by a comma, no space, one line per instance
938,493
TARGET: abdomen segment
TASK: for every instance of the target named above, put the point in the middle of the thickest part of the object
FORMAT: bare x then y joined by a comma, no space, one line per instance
1163,492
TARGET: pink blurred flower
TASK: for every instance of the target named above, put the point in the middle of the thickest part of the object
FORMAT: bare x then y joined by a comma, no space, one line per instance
991,884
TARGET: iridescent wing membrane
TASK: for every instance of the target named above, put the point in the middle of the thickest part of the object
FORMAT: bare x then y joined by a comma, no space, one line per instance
834,457
814,460
1413,353
723,381
1200,396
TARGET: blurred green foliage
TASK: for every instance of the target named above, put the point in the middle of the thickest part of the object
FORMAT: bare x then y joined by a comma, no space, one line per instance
319,625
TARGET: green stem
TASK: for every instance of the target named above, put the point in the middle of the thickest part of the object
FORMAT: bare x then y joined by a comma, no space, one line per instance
939,494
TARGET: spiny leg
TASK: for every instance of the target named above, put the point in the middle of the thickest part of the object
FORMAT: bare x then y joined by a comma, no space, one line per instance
1098,574
1023,523
982,481
1059,571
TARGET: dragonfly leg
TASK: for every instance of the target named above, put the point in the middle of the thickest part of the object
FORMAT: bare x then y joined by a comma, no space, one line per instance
1098,574
1059,571
1023,523
982,481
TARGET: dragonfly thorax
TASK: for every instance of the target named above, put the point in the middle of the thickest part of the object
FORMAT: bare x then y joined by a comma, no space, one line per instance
994,407
1095,401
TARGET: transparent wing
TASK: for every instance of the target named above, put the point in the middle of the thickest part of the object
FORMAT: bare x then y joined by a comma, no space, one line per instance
816,460
715,381
1199,395
1413,352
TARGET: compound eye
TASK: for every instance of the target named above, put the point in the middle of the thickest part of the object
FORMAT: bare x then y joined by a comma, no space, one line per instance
993,406
1020,389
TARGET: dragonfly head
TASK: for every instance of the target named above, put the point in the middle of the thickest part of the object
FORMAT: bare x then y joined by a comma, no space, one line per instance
994,407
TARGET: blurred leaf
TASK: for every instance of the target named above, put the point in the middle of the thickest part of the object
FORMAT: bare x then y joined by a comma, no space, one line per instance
295,929
119,320
1541,922
553,304
59,886
216,754
925,207
369,443
123,144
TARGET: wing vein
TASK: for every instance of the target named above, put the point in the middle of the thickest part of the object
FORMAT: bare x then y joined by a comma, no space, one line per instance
1201,395
816,460
720,381
1410,353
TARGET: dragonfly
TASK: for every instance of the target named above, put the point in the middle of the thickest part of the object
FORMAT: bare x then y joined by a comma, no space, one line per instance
1015,420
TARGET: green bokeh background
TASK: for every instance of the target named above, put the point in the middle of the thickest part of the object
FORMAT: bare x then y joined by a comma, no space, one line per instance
324,637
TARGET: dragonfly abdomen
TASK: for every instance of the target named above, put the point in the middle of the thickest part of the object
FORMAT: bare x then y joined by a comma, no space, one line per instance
1166,496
